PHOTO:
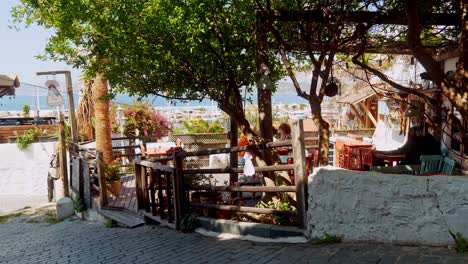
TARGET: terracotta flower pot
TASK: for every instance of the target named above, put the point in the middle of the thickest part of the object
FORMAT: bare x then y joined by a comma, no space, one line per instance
115,187
223,214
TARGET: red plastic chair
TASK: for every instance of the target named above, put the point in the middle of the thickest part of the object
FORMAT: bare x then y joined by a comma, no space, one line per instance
367,157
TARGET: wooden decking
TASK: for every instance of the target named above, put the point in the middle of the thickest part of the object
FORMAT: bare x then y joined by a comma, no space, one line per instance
127,198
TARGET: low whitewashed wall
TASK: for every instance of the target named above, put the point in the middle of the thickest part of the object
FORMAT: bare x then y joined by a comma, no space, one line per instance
404,209
25,172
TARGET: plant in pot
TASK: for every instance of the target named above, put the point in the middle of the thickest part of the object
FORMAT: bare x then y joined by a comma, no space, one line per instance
197,180
226,214
114,183
209,197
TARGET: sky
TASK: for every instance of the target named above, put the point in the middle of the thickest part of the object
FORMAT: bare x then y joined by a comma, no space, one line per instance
19,48
18,51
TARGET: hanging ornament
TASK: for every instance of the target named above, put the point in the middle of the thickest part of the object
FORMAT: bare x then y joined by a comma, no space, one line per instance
54,98
332,87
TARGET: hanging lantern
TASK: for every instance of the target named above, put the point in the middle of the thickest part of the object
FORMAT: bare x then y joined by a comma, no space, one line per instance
54,98
331,89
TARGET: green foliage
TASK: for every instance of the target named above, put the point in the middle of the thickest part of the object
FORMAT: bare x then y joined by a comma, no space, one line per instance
201,126
112,170
26,110
187,223
185,50
461,243
51,217
193,180
111,223
328,239
5,218
29,136
78,205
141,116
283,205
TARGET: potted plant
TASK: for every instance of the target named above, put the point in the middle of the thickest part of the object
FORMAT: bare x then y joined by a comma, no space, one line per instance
209,197
114,183
225,214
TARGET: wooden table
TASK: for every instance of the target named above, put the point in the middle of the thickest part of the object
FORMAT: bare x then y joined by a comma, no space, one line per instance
390,159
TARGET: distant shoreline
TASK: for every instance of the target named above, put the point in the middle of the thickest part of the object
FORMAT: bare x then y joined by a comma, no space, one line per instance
16,103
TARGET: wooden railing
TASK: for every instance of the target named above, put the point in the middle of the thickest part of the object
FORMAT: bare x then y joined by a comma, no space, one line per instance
161,191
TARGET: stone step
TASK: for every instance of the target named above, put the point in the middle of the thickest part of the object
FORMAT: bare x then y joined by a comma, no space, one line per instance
123,217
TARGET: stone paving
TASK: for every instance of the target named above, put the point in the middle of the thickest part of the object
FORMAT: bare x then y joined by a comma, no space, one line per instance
76,241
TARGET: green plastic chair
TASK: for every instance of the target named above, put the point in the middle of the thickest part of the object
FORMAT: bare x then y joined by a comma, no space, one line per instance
398,169
449,166
431,163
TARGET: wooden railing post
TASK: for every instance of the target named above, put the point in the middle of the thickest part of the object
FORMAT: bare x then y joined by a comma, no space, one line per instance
160,193
139,195
300,171
63,159
144,188
179,196
102,179
152,191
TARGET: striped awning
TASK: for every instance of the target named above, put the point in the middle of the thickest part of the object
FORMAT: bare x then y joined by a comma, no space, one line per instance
8,83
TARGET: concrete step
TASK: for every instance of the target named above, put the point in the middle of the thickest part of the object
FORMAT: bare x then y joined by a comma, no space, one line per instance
123,217
251,231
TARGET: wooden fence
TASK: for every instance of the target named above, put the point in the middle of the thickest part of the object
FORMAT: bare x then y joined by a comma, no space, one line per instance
161,191
87,179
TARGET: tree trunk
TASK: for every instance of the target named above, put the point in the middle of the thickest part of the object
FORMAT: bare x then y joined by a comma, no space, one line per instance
233,158
323,132
101,116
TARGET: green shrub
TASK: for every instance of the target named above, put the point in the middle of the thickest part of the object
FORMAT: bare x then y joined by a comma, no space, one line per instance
26,110
78,205
112,170
461,243
328,239
30,136
187,223
283,205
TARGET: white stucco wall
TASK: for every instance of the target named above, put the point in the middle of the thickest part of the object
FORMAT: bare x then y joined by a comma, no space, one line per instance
405,209
25,172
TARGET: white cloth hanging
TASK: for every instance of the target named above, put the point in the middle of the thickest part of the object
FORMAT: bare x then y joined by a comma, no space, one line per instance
249,169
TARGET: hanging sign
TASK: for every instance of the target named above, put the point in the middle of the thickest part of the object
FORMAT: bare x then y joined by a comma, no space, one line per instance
54,98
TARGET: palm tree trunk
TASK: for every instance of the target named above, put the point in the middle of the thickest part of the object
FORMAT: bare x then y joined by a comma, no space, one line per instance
101,116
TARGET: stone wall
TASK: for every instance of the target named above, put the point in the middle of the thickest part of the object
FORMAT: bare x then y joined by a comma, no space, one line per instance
370,206
25,172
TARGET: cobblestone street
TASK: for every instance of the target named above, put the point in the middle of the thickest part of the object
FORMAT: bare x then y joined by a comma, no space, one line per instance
76,241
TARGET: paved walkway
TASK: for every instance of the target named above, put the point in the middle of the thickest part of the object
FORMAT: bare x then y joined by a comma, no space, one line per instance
76,241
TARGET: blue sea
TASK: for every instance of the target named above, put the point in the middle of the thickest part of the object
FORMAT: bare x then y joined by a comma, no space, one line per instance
15,103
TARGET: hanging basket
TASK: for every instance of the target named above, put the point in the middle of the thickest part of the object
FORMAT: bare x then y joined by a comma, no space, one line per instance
331,89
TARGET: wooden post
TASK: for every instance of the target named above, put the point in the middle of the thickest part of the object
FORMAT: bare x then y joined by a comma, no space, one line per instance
152,192
300,175
71,107
102,179
368,114
233,159
144,188
71,101
361,118
179,197
139,195
63,159
160,194
170,204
